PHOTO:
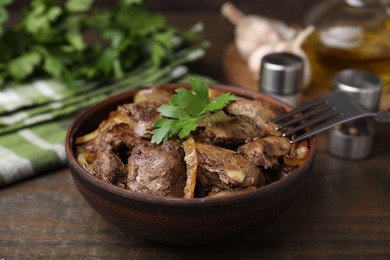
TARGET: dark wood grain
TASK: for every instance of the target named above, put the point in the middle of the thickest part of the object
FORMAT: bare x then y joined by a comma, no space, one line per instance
343,212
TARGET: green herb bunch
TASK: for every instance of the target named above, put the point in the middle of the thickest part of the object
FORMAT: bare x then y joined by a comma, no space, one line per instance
72,40
3,13
185,109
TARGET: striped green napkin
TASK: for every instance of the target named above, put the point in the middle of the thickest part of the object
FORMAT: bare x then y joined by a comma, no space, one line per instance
35,93
32,151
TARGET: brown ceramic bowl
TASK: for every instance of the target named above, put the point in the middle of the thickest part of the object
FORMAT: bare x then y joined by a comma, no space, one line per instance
182,221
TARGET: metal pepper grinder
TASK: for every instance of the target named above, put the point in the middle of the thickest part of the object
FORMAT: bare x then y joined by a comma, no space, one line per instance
281,76
354,140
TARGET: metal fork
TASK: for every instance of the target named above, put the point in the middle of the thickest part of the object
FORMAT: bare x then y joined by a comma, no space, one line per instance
323,113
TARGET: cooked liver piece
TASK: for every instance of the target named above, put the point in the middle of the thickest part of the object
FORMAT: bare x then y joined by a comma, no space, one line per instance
109,167
217,162
232,133
261,113
157,169
116,136
266,151
106,140
124,133
144,114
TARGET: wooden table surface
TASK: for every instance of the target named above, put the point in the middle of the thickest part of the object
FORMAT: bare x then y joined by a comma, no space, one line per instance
344,210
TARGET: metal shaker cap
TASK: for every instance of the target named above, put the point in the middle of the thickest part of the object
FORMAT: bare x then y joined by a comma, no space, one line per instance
281,73
365,86
352,147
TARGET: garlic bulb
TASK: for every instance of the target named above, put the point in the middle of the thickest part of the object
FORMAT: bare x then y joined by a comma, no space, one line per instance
293,46
252,31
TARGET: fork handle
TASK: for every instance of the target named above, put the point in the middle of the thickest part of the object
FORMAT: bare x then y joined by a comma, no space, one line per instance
383,117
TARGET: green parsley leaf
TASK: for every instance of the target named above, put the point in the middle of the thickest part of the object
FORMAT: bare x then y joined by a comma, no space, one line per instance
41,17
107,57
162,46
3,15
162,131
185,109
195,102
5,2
53,66
185,127
75,6
201,89
131,2
22,66
167,128
76,40
220,102
172,112
1,79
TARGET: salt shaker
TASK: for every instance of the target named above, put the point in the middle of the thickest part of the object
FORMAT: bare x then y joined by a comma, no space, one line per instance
354,140
281,76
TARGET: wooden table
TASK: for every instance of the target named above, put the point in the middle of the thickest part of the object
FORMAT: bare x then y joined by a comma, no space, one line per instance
344,210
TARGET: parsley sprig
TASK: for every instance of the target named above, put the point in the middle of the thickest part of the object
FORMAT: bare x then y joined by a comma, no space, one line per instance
185,109
73,40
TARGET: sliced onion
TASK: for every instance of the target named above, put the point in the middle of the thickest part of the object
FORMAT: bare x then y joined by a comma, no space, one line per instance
116,117
92,135
214,93
86,159
152,94
191,159
298,154
121,117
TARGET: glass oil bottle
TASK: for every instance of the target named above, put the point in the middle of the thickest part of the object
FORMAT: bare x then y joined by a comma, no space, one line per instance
351,34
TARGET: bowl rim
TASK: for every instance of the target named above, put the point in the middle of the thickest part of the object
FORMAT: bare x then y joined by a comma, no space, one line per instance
264,191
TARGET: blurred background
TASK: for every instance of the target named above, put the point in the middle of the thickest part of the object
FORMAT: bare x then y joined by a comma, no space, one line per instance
177,13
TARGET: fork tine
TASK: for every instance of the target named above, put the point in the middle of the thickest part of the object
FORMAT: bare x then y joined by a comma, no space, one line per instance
317,111
299,109
333,122
319,119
